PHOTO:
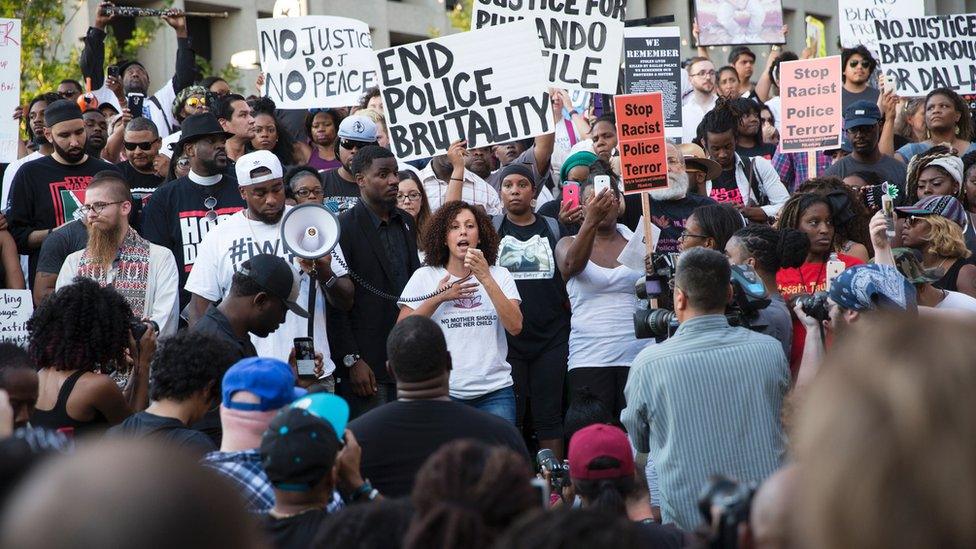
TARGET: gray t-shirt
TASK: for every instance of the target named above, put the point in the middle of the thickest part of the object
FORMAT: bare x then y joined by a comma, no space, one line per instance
59,245
776,318
888,169
869,94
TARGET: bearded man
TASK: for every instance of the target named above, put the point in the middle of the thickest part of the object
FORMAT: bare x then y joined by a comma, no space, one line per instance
142,272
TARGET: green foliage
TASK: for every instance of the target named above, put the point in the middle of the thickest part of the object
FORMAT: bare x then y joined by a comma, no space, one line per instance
45,59
460,16
229,73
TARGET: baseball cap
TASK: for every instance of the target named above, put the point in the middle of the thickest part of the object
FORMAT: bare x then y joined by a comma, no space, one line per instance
948,207
357,128
596,441
256,160
861,113
275,276
270,379
326,406
298,450
872,286
909,263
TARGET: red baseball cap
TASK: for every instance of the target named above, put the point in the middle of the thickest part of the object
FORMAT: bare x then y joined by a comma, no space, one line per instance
596,441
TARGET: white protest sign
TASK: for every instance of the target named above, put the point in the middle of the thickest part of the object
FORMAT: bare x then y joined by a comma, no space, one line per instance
921,54
582,39
16,308
441,90
652,62
9,87
315,61
857,19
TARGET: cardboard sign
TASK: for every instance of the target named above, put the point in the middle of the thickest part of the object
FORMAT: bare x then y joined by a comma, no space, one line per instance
810,104
315,61
640,139
441,90
9,87
652,62
16,308
921,54
735,22
857,17
581,38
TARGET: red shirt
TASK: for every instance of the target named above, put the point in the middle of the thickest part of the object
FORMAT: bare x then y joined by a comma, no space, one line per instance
805,279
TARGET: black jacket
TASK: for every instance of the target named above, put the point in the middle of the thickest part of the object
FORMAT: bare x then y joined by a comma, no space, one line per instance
364,329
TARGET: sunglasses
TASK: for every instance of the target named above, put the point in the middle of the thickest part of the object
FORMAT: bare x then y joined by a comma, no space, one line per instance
145,145
350,144
210,203
864,64
196,102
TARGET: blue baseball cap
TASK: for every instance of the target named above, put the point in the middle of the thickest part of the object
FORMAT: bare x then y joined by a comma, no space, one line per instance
861,113
269,378
327,407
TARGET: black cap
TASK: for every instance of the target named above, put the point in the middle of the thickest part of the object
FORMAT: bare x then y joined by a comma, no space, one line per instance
61,110
126,64
275,276
298,449
199,125
739,50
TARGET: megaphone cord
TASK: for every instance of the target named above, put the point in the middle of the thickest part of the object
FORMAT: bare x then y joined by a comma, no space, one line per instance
375,291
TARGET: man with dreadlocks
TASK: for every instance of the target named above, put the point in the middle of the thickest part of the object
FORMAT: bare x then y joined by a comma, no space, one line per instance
750,184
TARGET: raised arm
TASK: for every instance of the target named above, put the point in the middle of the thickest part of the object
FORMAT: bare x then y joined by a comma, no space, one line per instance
573,253
92,59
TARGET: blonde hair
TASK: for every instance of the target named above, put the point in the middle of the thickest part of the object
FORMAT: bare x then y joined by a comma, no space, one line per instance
946,238
373,115
886,439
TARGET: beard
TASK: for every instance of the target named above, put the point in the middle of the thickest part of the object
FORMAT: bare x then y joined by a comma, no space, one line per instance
270,219
103,244
71,157
676,190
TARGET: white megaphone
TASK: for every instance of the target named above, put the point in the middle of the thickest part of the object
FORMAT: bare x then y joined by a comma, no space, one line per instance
310,231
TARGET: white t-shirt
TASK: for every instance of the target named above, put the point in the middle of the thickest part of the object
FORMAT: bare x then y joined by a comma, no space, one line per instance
957,300
474,333
220,255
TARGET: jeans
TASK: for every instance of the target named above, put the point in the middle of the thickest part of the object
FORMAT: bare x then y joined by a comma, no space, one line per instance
499,403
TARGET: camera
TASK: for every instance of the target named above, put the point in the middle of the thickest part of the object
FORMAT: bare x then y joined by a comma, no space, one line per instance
138,327
814,305
725,504
558,470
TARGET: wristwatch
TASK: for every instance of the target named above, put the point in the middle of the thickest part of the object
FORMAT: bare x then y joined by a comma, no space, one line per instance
350,360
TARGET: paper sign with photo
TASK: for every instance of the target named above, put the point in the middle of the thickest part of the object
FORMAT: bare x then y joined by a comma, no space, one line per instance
736,22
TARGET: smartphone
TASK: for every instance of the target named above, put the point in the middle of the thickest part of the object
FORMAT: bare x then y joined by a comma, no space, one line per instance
134,102
888,207
113,71
571,194
600,182
305,356
834,267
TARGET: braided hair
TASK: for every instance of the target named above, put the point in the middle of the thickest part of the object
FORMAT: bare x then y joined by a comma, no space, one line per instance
722,118
467,494
82,326
773,249
921,161
792,211
856,228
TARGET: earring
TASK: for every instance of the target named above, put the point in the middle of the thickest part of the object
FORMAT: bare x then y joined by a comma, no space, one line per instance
957,130
532,204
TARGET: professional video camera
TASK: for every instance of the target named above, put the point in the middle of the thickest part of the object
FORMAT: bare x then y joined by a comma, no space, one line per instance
725,504
748,298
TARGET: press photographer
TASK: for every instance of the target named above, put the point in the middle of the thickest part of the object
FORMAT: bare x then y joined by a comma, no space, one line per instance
719,379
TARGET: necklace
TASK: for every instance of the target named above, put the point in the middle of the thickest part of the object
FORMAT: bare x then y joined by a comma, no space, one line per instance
277,515
939,266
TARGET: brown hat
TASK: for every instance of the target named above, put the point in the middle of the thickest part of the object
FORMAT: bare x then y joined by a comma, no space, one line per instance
695,159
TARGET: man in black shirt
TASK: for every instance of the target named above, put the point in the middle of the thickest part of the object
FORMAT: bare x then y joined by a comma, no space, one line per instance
340,186
185,383
64,241
184,210
48,191
382,250
398,437
141,141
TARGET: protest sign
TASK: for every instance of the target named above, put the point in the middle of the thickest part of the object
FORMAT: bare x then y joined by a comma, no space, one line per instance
640,138
857,19
9,87
921,54
652,62
581,38
445,89
16,307
315,61
810,104
735,22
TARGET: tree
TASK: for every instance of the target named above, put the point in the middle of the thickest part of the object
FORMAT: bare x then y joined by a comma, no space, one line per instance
460,16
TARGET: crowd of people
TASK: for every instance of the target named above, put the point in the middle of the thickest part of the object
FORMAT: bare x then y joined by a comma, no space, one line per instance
479,361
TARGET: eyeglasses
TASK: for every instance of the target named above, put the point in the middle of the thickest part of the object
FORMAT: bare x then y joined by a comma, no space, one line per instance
145,145
97,207
210,203
408,197
710,74
196,102
865,64
914,219
305,193
686,234
350,144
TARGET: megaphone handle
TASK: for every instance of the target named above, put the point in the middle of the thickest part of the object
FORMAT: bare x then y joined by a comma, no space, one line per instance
312,285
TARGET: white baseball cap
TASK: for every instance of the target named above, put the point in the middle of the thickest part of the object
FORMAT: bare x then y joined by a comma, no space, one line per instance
254,160
357,128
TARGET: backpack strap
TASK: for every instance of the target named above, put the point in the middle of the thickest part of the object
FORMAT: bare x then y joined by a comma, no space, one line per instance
753,183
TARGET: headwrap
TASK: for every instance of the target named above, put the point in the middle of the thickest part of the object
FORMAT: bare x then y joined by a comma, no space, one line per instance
870,287
185,94
516,168
952,164
580,158
840,206
61,110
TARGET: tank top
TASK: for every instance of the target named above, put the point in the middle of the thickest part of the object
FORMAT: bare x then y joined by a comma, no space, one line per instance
602,327
948,281
320,163
58,418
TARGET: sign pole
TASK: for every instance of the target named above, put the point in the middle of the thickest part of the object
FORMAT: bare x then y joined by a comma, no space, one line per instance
811,164
648,233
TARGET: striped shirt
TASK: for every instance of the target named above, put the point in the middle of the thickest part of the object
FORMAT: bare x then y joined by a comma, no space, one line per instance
474,191
707,401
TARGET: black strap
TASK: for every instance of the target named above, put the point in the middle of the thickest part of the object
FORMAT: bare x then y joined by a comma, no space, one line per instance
761,198
312,284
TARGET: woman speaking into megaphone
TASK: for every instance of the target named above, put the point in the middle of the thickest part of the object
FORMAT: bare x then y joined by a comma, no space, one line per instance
477,302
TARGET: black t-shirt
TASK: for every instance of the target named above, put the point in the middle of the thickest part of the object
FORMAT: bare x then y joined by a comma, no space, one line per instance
725,189
551,209
215,324
669,216
141,185
294,532
45,195
765,150
168,429
529,254
175,218
340,195
397,438
59,245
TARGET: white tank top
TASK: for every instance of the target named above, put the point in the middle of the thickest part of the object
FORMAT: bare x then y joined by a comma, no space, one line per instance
602,326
